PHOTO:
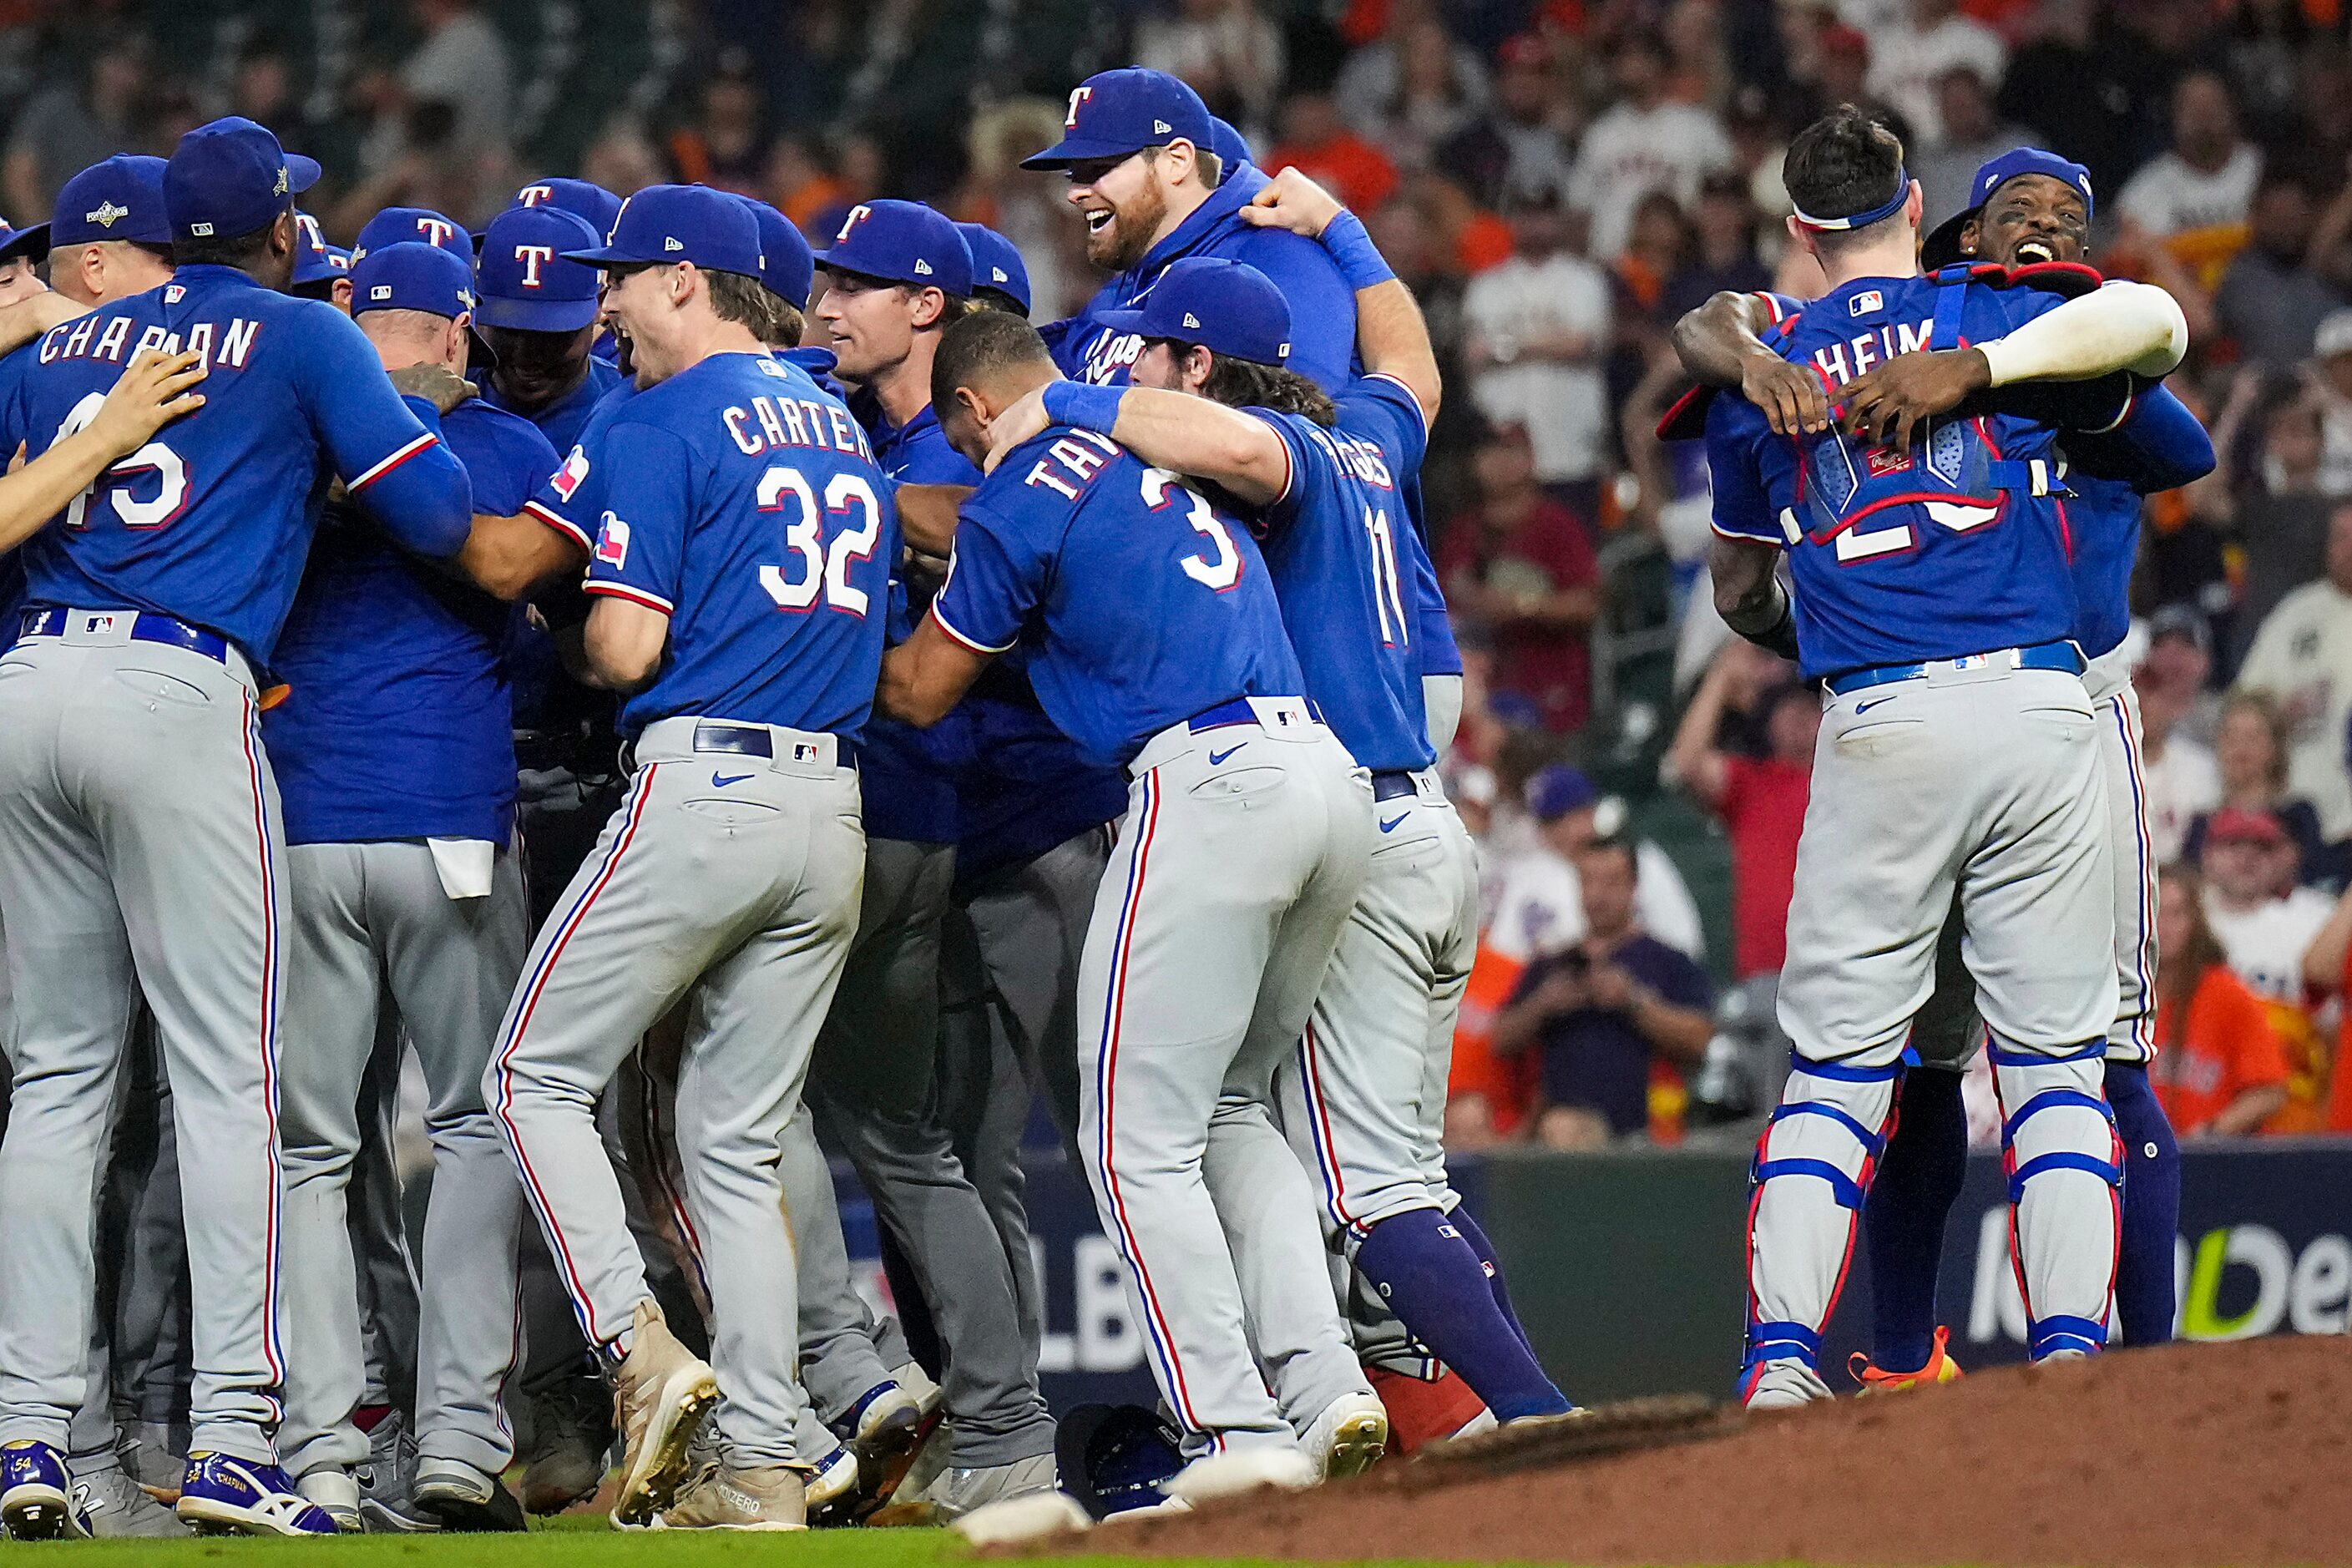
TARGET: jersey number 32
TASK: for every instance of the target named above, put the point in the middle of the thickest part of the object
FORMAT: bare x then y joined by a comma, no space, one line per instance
817,569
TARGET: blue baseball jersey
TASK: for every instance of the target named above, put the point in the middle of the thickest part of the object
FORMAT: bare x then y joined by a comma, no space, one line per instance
1440,654
2158,446
211,522
1937,555
743,502
1139,603
561,421
398,722
1339,546
1322,306
908,774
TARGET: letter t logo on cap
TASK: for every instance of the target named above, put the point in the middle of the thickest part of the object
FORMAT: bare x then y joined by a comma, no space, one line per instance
1077,96
534,257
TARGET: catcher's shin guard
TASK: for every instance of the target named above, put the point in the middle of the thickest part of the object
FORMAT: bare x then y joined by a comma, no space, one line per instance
1813,1166
2065,1188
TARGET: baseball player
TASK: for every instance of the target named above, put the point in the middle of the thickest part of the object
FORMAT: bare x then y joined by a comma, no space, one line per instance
538,316
599,206
1155,641
395,757
162,864
999,278
2033,208
1135,148
896,275
739,572
1363,1092
322,271
1959,757
397,226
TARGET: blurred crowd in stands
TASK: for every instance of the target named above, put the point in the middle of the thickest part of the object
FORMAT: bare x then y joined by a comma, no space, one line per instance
1558,179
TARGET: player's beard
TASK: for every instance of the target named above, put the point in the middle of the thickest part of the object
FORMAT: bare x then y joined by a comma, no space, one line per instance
1122,243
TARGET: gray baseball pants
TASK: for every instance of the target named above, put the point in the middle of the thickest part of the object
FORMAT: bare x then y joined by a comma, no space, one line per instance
375,939
873,1088
1982,778
1216,921
140,851
742,898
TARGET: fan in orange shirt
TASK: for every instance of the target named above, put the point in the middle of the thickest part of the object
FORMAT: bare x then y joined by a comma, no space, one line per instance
2219,1069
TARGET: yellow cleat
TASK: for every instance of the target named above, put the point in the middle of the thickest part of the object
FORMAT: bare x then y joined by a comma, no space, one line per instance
1940,1368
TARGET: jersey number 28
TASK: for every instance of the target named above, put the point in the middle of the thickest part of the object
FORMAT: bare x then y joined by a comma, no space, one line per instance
171,497
818,571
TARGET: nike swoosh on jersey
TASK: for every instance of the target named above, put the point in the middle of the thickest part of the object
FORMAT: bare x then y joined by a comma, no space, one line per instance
721,781
1390,826
1217,759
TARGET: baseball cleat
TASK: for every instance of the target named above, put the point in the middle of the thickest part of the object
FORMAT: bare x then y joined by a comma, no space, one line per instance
570,1434
891,1424
1349,1437
36,1495
831,1489
463,1499
1784,1384
335,1493
761,1498
960,1490
1940,1368
663,1395
1238,1471
388,1503
120,1508
1427,1410
223,1494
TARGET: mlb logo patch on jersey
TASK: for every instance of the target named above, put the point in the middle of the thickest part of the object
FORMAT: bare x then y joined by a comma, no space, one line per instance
574,470
613,542
1867,301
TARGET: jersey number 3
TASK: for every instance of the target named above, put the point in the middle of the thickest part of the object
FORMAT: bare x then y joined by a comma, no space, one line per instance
819,571
1220,570
171,497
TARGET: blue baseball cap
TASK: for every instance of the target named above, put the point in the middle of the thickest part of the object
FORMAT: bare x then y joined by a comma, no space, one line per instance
1229,145
401,225
902,242
787,265
1115,113
585,197
524,277
996,263
231,177
316,261
412,276
119,197
665,224
1559,789
1225,306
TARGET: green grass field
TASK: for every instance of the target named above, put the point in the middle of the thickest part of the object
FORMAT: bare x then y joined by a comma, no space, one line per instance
584,1540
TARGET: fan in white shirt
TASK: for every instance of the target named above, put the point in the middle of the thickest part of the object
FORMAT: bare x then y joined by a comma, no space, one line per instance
2249,858
1644,143
2302,657
1543,906
1538,328
1909,58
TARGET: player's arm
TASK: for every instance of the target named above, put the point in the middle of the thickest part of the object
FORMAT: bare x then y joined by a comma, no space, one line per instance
2123,326
622,643
2159,444
154,390
927,517
513,557
1744,558
1391,338
1172,430
1721,343
928,674
385,448
28,318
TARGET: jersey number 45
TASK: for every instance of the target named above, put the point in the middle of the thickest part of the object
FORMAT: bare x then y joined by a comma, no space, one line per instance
171,497
818,570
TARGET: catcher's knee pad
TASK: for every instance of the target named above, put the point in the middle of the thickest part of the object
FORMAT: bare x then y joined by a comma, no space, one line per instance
1831,1124
1829,1129
2060,1123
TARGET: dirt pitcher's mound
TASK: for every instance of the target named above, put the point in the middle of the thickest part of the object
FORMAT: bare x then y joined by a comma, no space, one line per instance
2202,1455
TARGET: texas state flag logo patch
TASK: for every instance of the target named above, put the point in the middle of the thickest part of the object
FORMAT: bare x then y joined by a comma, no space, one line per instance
613,542
567,477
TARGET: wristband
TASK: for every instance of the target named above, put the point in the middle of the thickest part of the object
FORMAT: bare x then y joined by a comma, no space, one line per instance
1076,403
1350,245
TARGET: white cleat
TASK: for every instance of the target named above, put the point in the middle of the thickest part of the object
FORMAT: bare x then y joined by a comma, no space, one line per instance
1029,1516
335,1493
1349,1437
1785,1385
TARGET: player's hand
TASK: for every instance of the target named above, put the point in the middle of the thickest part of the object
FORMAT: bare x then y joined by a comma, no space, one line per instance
151,392
1022,420
445,389
1292,201
1883,403
1792,396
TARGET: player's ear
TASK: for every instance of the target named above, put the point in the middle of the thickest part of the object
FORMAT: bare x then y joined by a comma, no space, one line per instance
974,407
1914,207
1801,236
1971,236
